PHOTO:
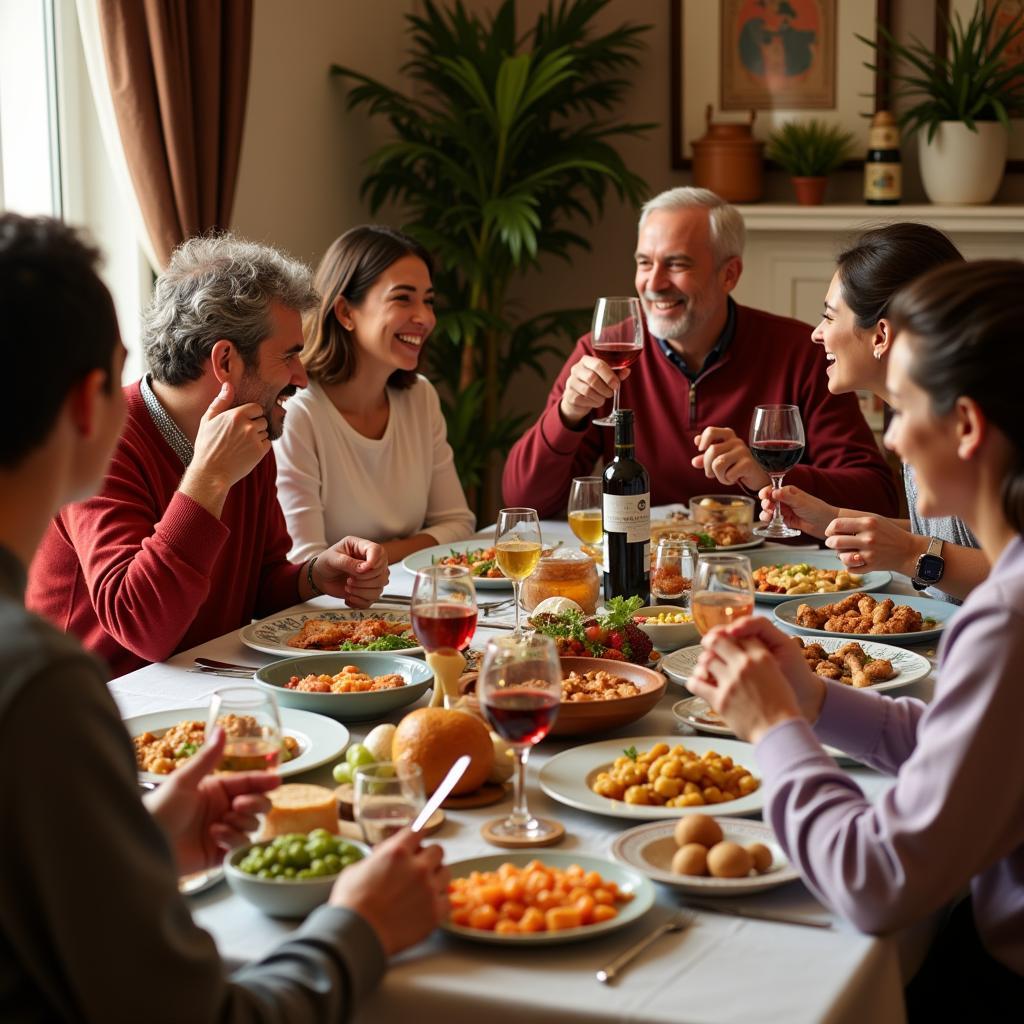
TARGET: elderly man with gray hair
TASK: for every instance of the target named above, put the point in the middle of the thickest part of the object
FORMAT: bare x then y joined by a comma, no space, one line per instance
707,364
186,540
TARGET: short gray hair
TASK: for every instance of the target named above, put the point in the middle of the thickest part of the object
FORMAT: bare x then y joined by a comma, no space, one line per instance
215,287
728,231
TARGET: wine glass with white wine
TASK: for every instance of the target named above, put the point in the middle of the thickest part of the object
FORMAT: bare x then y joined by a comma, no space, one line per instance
517,544
585,517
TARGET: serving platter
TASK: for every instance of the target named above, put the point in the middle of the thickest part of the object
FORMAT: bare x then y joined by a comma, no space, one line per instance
566,777
870,581
942,611
909,665
649,848
320,739
627,878
426,558
271,635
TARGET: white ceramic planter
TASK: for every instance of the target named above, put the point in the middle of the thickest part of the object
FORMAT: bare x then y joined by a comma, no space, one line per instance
961,167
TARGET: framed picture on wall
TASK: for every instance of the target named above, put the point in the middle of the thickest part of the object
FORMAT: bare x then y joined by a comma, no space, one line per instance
781,58
1006,11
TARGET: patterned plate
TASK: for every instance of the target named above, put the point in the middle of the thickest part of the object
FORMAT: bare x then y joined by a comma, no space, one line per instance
271,635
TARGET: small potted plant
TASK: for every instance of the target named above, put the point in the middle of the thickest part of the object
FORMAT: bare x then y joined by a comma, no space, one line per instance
809,151
964,98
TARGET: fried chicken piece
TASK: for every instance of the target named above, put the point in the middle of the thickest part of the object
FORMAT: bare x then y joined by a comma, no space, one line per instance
851,648
867,604
321,633
846,605
827,670
878,671
811,618
908,619
882,612
815,653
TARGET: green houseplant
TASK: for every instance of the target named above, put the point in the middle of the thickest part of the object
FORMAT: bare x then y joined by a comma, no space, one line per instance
501,149
959,103
809,151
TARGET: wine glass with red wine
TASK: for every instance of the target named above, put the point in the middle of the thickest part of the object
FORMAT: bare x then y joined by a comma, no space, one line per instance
777,443
443,607
618,339
520,690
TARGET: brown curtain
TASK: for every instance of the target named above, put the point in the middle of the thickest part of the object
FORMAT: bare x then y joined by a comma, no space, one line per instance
179,72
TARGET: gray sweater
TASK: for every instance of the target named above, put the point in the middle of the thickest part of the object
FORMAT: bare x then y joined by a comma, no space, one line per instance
92,927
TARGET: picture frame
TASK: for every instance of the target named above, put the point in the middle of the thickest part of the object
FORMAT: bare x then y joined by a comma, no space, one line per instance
948,9
696,73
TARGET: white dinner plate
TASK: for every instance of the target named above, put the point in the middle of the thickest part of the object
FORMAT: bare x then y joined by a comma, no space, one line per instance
271,635
320,739
650,848
566,777
428,556
942,611
909,666
875,580
627,879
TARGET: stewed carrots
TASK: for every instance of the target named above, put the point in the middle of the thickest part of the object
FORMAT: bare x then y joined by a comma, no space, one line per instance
534,898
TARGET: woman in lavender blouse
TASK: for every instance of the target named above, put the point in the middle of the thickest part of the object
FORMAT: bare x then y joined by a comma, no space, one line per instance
954,819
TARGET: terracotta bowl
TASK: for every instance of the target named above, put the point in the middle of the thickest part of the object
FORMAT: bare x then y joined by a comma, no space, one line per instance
577,718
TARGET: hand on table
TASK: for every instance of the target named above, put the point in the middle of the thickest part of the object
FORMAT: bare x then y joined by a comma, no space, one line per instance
202,814
755,677
864,543
800,510
401,890
591,383
724,457
353,569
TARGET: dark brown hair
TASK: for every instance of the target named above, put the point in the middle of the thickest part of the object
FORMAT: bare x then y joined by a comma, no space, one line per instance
964,322
349,269
883,260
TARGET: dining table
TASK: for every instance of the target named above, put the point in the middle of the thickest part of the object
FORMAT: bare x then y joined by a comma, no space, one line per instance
722,969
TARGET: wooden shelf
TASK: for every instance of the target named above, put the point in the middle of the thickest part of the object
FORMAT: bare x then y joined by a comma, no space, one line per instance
983,220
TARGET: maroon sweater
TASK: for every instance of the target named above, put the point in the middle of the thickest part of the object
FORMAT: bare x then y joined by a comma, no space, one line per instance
142,571
771,360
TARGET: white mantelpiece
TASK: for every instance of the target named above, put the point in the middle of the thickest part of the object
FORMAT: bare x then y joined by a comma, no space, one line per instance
791,250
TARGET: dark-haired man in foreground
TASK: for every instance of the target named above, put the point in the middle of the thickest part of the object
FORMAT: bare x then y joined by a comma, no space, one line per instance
92,926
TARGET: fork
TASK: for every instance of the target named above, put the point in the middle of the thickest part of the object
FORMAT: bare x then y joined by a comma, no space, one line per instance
680,922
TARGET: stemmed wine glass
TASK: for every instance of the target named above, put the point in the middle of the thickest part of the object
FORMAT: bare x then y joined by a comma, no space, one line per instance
517,544
520,690
585,518
251,722
777,443
618,339
723,590
443,611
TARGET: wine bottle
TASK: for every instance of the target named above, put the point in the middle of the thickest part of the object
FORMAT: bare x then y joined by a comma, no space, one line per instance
883,182
626,511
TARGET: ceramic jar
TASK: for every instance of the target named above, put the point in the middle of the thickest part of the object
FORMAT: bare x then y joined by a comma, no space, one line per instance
728,160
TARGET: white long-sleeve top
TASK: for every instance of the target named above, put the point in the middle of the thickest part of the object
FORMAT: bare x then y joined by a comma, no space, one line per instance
334,482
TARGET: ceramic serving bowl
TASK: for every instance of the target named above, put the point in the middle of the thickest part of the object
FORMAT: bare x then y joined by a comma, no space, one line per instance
668,636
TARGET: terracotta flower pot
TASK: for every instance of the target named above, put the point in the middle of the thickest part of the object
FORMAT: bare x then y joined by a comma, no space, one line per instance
809,191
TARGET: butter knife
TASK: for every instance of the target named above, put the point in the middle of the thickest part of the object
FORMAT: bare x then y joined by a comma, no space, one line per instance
776,916
448,783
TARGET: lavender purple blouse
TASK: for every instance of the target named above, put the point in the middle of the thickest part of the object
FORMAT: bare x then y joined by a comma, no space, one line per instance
956,812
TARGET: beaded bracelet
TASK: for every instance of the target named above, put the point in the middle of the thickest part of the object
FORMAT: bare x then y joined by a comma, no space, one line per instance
317,592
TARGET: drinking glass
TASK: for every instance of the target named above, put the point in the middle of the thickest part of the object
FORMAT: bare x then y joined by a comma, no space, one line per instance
252,726
585,500
388,796
520,690
675,565
777,444
723,590
517,545
443,607
618,339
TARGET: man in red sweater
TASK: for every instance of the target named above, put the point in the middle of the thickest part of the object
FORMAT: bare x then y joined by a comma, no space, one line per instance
186,539
707,363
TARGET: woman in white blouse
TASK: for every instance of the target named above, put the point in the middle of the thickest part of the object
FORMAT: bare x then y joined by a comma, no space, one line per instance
365,450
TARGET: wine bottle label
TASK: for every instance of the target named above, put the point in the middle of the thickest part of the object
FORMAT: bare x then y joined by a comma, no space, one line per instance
882,181
629,514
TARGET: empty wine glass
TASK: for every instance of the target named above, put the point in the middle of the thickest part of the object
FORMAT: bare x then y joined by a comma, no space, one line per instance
777,444
251,722
723,590
388,796
517,544
520,690
585,519
618,339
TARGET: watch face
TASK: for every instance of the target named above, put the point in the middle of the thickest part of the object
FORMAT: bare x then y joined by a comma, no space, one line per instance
930,568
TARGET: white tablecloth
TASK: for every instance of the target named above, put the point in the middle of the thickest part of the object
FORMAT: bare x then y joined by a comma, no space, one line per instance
722,969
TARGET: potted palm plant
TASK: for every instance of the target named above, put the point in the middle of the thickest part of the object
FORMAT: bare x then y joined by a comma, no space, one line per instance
809,151
501,149
961,102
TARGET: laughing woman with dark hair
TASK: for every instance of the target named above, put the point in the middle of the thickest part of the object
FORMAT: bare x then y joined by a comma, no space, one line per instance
954,817
365,446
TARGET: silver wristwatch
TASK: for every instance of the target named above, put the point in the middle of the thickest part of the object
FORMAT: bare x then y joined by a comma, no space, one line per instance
930,566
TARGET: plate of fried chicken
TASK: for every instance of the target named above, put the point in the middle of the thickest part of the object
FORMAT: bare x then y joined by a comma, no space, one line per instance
300,633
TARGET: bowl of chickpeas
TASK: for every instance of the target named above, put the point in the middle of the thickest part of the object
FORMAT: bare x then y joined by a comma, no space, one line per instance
669,626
